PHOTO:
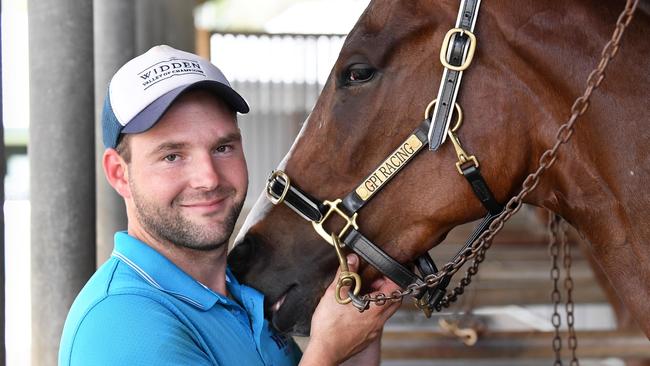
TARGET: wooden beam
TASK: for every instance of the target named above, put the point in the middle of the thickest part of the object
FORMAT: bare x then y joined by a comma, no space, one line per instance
419,345
202,42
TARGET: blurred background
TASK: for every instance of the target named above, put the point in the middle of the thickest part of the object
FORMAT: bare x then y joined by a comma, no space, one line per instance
60,214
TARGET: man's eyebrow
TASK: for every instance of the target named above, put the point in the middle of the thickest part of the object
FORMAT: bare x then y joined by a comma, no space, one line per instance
171,146
231,137
167,146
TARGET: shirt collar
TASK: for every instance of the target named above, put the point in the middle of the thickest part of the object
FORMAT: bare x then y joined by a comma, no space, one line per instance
164,275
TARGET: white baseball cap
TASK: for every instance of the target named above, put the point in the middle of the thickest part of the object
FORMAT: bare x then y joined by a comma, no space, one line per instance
143,89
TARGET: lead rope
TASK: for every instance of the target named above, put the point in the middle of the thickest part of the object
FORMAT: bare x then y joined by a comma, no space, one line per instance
477,251
462,323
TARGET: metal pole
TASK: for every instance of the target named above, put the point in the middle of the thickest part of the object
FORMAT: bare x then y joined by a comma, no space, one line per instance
3,349
169,22
62,158
114,34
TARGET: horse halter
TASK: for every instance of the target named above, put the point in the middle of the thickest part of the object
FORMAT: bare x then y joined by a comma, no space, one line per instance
456,55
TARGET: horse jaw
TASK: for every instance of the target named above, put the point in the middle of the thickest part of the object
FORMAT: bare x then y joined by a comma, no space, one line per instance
290,279
258,259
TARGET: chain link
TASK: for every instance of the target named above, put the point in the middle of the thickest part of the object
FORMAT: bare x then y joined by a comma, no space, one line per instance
568,286
556,296
557,229
480,246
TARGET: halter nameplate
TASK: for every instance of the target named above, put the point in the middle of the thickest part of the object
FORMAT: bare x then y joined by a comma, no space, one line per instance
386,170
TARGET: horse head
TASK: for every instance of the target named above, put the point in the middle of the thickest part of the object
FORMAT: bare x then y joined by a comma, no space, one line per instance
513,97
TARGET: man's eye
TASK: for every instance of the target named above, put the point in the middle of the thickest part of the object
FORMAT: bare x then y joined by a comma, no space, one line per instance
171,157
223,148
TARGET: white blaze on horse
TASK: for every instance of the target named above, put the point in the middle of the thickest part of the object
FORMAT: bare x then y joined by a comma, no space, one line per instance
531,61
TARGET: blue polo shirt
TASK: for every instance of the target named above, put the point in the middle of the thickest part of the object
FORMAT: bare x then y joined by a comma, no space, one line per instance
141,309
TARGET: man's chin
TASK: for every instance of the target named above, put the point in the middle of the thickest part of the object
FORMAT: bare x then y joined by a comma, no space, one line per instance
209,247
203,240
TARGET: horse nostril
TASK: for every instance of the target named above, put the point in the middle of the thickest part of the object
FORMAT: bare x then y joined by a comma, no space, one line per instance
241,254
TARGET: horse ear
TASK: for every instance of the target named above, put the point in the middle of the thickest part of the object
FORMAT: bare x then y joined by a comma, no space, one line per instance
116,172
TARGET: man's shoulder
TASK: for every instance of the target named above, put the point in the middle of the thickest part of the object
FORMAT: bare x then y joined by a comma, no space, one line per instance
113,290
111,278
126,323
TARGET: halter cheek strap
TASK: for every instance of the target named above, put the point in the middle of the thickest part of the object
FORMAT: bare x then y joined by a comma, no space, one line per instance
456,55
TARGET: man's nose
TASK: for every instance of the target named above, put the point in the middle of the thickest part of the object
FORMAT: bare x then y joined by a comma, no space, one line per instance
204,173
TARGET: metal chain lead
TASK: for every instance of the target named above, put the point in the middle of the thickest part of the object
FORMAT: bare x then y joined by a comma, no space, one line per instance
558,241
568,286
556,297
482,243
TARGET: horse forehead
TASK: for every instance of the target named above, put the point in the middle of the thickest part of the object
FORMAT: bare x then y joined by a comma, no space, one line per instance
388,23
377,15
381,13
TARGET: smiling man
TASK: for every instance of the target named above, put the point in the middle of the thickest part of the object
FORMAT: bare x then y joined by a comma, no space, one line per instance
166,296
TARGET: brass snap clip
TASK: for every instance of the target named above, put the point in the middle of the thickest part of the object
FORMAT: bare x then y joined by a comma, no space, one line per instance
346,277
423,304
463,157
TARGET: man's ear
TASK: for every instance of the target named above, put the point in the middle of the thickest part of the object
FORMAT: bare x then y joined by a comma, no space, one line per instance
117,174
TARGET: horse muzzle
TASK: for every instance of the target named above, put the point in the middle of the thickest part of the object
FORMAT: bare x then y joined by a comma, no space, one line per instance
289,301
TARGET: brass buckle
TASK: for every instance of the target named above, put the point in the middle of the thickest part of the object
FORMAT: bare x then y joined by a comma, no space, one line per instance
445,48
333,207
463,157
287,185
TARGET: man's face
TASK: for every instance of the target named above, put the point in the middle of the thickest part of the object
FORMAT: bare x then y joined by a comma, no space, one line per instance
187,174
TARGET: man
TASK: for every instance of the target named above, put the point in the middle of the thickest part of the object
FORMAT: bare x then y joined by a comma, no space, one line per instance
166,296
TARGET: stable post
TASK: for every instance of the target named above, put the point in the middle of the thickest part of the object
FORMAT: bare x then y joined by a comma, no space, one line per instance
169,22
62,164
114,35
3,170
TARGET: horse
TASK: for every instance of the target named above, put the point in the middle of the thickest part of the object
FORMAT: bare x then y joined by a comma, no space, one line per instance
531,61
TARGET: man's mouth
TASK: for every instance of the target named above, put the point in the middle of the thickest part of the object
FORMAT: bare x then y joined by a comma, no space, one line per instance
206,206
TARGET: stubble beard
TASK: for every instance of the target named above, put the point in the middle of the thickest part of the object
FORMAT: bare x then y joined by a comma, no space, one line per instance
168,224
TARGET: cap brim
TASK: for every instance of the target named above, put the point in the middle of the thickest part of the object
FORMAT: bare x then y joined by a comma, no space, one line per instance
152,113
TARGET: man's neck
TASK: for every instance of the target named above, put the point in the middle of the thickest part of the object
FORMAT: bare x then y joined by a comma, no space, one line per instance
207,267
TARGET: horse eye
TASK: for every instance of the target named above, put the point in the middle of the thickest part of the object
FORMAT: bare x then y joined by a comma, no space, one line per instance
358,73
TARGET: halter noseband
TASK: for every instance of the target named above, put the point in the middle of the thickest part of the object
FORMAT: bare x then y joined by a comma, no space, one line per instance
456,55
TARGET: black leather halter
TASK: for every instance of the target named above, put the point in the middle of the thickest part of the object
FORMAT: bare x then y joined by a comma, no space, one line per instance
280,189
456,55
